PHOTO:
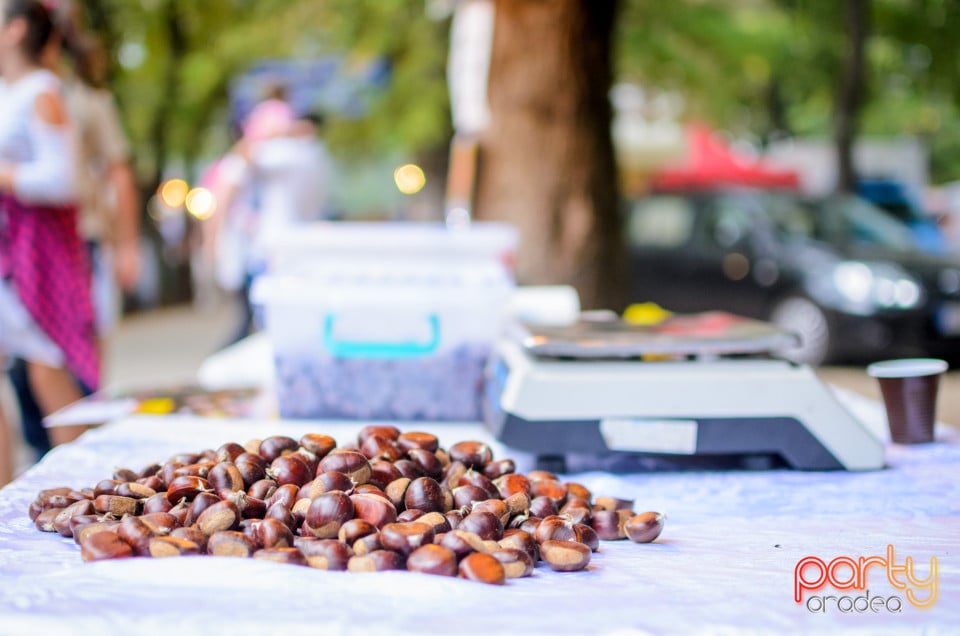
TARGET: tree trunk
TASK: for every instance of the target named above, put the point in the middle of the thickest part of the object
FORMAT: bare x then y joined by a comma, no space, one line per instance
546,161
851,89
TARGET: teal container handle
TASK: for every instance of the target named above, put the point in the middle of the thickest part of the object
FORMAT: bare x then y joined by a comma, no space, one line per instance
362,349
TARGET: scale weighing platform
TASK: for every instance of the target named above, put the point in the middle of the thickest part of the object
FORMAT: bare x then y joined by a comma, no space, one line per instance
694,389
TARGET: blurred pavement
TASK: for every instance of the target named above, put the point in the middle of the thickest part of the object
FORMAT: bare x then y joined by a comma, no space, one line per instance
167,346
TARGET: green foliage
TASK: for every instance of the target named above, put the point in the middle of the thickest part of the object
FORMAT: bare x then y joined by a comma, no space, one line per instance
727,57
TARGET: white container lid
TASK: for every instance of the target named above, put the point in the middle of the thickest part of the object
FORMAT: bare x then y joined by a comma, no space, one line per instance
907,368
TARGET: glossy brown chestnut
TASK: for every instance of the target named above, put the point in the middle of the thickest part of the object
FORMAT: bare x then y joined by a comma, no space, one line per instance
410,514
270,533
478,479
355,529
587,535
230,543
391,433
252,468
353,464
375,509
229,451
416,439
516,563
79,521
437,520
396,490
424,493
134,490
515,539
554,489
289,469
136,534
190,534
309,458
327,513
324,554
608,524
483,568
262,489
426,462
473,454
277,445
157,503
644,527
117,506
466,496
495,507
186,487
511,484
462,543
319,445
288,556
376,561
487,525
334,480
433,559
613,503
565,556
496,469
382,473
283,514
226,476
367,544
97,546
377,447
286,495
405,537
45,520
200,503
159,547
407,468
61,522
543,507
219,517
103,487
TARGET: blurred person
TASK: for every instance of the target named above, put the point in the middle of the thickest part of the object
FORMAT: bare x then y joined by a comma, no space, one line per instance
106,192
285,171
46,315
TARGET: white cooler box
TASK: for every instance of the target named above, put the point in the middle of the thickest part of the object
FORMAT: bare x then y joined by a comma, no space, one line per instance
404,341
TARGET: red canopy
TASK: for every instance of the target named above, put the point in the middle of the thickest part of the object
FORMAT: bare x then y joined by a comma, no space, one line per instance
709,163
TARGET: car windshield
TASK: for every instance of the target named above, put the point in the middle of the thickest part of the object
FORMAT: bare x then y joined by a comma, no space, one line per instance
839,220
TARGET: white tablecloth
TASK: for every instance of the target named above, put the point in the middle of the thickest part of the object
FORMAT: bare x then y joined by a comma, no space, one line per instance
724,563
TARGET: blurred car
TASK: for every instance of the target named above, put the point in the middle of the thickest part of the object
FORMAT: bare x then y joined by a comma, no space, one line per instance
843,274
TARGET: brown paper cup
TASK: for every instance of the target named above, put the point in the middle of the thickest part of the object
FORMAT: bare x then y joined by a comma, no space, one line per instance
909,389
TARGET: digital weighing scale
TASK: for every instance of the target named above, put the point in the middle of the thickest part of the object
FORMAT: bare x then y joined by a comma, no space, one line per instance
692,388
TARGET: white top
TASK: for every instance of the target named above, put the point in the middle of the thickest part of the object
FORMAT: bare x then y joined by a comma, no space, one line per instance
42,153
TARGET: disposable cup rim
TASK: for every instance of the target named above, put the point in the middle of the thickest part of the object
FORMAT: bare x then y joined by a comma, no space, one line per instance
907,368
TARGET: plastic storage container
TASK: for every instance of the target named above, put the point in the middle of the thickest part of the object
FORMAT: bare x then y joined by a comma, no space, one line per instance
401,341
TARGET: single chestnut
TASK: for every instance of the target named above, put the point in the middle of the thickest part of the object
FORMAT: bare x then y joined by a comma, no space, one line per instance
319,445
424,493
410,514
262,489
407,469
117,506
230,543
495,507
324,554
396,490
485,524
433,559
367,544
565,556
375,509
136,534
134,490
416,439
157,503
353,464
355,529
252,468
613,503
466,496
285,494
333,480
61,521
478,479
473,454
481,567
97,546
186,487
515,539
270,533
221,516
511,484
276,446
543,507
382,473
289,556
289,469
516,563
200,503
426,462
376,561
327,513
388,432
553,489
405,537
377,447
644,527
226,476
461,543
191,534
229,451
608,524
159,547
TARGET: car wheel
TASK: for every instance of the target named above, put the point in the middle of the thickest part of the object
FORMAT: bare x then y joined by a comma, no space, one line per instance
804,318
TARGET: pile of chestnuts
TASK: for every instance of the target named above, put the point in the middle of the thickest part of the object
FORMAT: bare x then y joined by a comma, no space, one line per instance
394,501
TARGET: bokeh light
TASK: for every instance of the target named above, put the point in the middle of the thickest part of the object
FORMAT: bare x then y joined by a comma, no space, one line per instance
173,192
409,178
201,203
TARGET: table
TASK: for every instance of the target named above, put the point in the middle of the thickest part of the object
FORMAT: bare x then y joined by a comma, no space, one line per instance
724,563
